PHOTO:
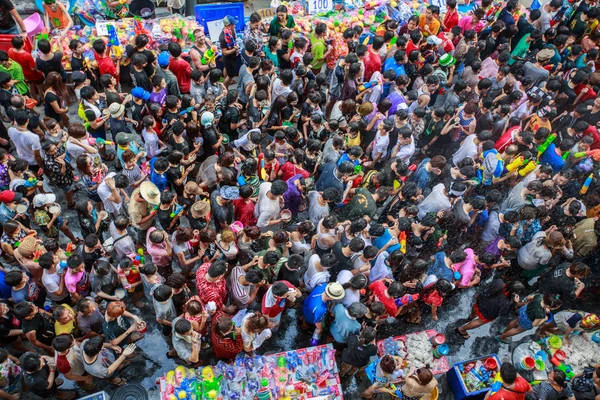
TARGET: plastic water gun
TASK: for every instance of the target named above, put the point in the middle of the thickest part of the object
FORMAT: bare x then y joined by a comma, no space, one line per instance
357,169
31,182
586,184
403,242
368,85
395,389
546,143
99,141
69,249
113,41
178,209
62,266
595,154
497,385
528,168
567,370
412,168
36,255
263,171
406,299
209,55
516,163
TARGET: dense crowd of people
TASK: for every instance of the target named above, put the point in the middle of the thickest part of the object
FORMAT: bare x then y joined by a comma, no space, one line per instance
355,175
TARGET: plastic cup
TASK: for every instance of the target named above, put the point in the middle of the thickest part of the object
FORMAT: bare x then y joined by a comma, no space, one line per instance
528,363
540,365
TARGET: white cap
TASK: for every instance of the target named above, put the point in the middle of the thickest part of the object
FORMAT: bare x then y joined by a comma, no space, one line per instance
42,199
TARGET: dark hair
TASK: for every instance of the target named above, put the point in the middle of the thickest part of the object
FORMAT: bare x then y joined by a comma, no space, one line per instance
182,326
93,346
162,293
218,268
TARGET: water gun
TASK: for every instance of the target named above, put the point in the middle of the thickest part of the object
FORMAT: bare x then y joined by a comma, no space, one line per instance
595,154
516,163
395,389
62,266
497,385
31,182
209,55
178,209
113,41
36,255
368,85
412,168
186,111
406,299
528,168
441,240
357,169
567,370
138,28
99,141
546,143
69,249
403,242
263,171
586,184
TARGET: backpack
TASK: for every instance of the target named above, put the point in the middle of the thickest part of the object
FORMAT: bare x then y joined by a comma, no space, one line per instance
585,382
81,112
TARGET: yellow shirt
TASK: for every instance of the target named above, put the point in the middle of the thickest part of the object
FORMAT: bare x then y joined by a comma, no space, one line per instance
67,328
434,27
350,142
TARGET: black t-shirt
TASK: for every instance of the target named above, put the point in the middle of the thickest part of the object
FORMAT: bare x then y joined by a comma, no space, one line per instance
174,174
283,63
137,112
221,214
91,116
164,217
229,59
179,299
140,79
50,98
292,277
38,382
43,326
254,115
52,65
231,116
210,139
343,262
89,259
149,68
357,354
8,323
557,282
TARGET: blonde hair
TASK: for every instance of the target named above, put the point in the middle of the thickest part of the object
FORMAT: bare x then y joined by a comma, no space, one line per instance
227,235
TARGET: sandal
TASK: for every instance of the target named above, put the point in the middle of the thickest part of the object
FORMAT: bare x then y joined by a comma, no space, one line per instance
465,336
120,382
505,341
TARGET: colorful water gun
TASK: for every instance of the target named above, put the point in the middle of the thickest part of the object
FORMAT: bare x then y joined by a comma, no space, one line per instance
497,383
528,168
586,184
113,41
595,154
368,85
99,141
395,389
178,209
186,111
69,249
31,182
546,143
403,242
406,299
209,55
515,164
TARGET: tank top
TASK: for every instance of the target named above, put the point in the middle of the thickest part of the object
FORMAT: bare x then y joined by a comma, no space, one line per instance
321,236
57,18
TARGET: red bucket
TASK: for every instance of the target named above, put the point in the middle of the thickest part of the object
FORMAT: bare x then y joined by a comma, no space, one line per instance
438,339
491,364
558,357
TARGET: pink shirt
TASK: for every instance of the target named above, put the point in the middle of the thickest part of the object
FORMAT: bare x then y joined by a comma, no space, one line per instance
466,23
466,268
160,256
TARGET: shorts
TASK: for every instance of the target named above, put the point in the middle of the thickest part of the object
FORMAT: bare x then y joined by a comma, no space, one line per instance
524,321
11,31
480,315
230,68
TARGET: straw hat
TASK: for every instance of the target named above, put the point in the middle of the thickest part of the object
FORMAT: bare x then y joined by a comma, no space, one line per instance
335,291
200,209
150,192
28,246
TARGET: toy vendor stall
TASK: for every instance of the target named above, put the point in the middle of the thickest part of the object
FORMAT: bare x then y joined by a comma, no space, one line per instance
309,374
472,379
418,349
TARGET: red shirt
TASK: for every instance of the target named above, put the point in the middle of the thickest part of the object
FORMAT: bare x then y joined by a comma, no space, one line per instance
590,95
447,44
26,61
451,20
277,308
410,46
182,71
517,392
210,291
372,63
289,169
378,288
106,66
506,139
244,212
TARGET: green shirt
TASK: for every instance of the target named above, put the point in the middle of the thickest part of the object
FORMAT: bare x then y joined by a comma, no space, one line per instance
272,56
521,49
275,26
318,49
16,74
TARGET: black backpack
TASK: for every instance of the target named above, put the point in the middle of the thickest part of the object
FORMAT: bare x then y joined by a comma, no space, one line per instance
585,382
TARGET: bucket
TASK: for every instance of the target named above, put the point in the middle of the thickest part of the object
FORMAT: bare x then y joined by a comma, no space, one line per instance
555,342
30,103
490,364
541,355
237,227
34,24
558,357
527,363
540,365
438,339
596,337
144,9
441,351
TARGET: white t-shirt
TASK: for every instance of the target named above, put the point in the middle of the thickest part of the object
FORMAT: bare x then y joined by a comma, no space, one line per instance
266,209
380,145
351,296
435,202
254,340
52,284
316,211
406,152
104,192
26,143
150,143
468,148
380,270
312,277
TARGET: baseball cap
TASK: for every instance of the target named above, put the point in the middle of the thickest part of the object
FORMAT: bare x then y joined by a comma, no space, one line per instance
8,196
124,138
229,20
78,77
164,58
40,200
140,93
434,40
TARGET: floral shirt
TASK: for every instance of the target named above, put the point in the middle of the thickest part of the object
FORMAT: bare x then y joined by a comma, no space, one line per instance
54,170
43,218
4,178
9,375
340,49
210,291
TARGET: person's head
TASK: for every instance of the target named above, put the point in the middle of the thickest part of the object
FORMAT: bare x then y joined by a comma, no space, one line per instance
15,279
163,293
556,375
183,327
257,323
579,270
63,315
31,362
75,263
552,301
387,364
217,270
282,14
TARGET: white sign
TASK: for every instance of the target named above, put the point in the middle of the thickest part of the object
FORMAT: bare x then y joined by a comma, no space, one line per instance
319,6
102,27
214,29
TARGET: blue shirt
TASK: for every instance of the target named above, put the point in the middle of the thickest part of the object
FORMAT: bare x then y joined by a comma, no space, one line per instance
550,157
6,214
342,325
422,177
391,63
439,267
5,290
383,239
314,308
160,180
